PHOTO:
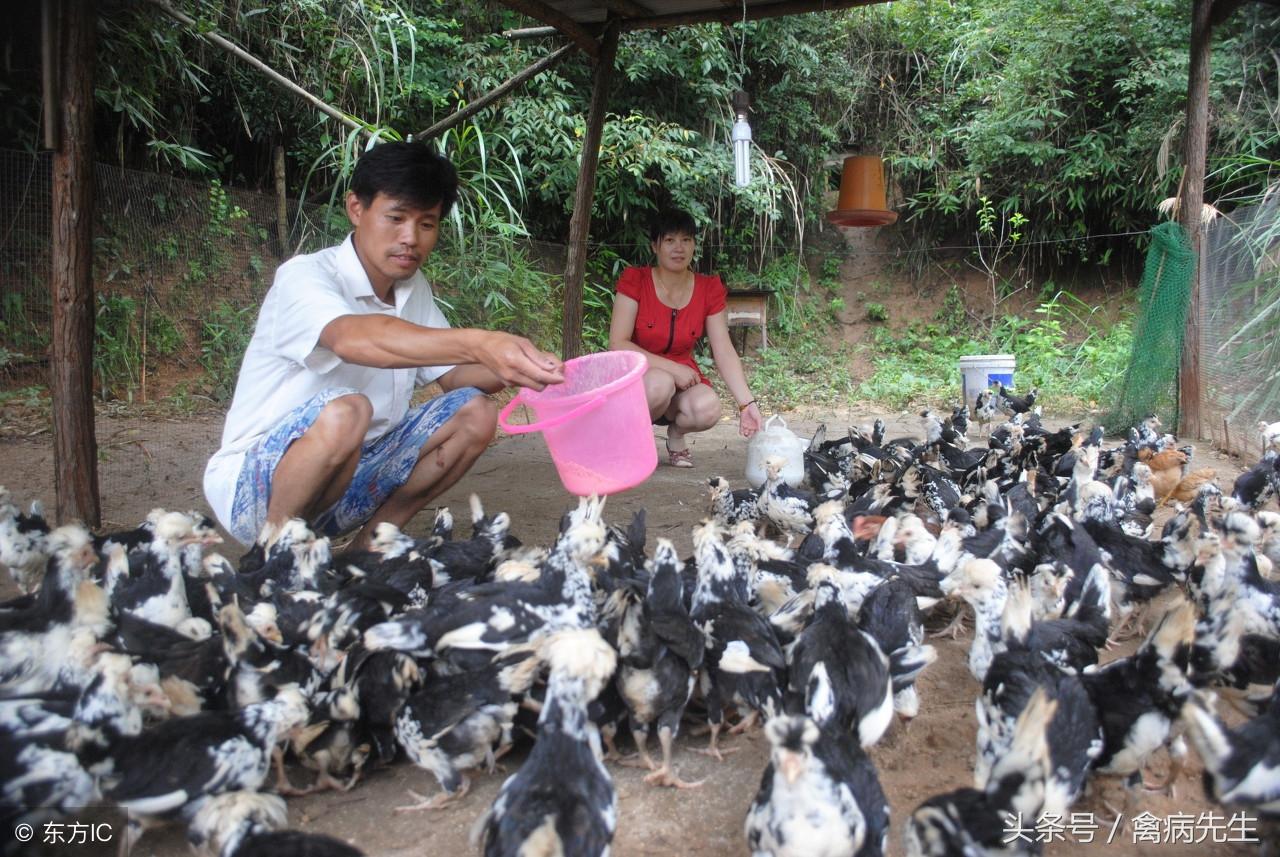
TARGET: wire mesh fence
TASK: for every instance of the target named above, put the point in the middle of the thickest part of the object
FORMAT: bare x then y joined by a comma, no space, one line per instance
179,269
175,265
1240,325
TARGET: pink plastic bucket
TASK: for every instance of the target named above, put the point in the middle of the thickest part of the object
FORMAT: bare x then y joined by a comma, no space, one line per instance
596,423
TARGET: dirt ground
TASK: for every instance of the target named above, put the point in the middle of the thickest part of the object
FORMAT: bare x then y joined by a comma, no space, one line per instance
934,754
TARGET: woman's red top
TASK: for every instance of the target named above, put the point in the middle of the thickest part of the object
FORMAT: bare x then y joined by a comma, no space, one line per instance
667,332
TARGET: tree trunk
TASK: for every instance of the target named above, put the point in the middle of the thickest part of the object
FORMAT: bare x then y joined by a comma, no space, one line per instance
71,363
282,201
584,197
1190,206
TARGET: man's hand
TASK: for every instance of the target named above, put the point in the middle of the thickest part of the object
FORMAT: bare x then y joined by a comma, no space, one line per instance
518,362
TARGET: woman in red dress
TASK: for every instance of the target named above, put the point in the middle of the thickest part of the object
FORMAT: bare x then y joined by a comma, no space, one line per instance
662,312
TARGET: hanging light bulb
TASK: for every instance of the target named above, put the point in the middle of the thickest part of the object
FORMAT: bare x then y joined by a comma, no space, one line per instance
741,140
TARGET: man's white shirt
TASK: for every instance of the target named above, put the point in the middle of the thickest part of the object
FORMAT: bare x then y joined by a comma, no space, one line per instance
285,365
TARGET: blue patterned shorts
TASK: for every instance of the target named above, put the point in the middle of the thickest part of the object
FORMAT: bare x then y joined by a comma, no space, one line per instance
385,464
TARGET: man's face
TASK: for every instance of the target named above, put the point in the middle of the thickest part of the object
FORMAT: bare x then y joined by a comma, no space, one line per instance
392,238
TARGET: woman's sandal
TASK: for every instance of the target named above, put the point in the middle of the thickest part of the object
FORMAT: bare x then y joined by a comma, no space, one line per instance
679,457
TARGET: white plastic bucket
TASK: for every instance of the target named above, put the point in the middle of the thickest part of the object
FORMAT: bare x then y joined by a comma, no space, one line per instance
981,371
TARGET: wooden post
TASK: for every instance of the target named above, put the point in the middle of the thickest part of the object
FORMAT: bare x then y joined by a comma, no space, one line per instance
71,363
1190,207
584,197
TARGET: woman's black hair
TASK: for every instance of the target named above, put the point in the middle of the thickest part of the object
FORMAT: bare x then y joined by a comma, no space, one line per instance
412,173
672,221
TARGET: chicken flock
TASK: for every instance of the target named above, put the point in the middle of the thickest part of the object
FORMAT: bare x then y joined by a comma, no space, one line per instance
143,669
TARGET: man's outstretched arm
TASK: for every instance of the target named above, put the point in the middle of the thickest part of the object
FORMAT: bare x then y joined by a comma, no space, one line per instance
392,343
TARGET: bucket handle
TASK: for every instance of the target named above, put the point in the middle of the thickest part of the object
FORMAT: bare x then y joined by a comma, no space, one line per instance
770,421
520,428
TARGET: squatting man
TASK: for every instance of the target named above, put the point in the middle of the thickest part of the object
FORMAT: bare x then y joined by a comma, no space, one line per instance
320,427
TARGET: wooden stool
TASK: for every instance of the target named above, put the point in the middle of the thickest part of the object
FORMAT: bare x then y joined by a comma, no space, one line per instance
749,308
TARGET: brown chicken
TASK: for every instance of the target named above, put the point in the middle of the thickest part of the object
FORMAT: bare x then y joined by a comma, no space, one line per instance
1187,487
1170,480
1167,469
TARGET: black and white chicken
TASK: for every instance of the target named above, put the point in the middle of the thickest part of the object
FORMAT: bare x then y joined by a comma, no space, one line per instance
1140,697
24,547
148,581
660,650
461,720
819,795
466,625
1074,734
48,643
166,771
789,509
985,409
251,824
977,822
745,666
1011,403
837,674
562,800
1241,765
730,507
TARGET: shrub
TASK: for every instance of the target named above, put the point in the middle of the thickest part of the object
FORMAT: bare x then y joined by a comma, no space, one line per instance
224,336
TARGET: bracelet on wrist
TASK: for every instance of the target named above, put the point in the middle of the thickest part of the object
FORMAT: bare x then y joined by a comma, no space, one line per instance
742,408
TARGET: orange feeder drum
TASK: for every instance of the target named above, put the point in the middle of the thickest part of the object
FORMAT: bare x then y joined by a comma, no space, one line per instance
862,200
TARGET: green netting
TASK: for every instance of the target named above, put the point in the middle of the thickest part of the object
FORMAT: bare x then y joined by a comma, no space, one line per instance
1151,381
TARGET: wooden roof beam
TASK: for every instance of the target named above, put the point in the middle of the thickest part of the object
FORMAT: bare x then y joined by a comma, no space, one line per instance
531,33
576,32
627,8
734,15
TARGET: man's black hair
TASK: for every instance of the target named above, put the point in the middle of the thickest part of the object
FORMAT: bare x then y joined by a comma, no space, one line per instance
412,173
672,221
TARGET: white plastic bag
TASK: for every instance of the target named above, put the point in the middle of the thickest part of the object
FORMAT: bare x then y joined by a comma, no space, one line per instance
775,439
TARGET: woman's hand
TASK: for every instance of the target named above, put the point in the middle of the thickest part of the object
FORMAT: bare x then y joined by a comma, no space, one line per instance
685,376
749,420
